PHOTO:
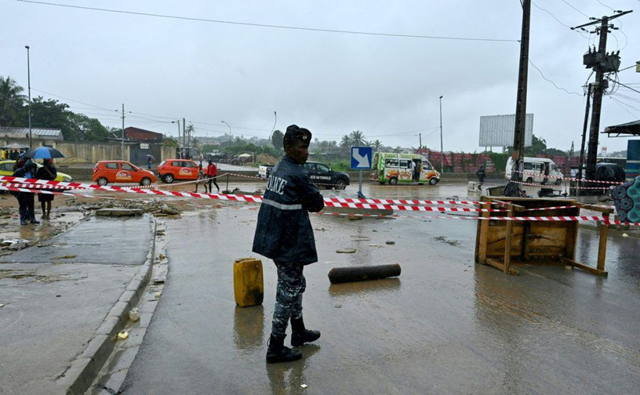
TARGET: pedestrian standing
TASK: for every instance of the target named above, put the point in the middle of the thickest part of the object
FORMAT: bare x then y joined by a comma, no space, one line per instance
481,176
46,172
284,234
212,173
25,199
200,179
149,161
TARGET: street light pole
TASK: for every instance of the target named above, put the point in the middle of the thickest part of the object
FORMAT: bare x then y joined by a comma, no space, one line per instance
275,114
179,150
231,134
29,88
441,145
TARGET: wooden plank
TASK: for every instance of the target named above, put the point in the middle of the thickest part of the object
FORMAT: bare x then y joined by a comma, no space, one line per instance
602,247
600,209
507,241
526,231
586,268
498,265
572,240
484,234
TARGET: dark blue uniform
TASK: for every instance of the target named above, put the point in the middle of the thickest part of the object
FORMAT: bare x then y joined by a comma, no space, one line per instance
284,234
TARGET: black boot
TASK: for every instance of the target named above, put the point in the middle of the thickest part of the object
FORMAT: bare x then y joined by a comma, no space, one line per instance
302,335
278,352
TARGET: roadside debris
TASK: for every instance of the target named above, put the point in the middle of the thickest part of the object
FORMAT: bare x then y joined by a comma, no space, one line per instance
123,335
390,242
134,315
346,251
363,273
444,240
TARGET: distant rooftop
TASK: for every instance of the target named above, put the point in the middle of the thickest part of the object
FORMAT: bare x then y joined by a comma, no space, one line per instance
22,133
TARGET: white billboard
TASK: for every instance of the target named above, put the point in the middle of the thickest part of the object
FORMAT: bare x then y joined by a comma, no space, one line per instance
498,130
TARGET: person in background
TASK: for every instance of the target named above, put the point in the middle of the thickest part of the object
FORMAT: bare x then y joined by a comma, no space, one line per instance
149,161
25,199
3,155
46,172
212,172
481,176
200,179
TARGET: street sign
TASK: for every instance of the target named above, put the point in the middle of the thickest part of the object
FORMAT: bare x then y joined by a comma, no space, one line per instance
361,158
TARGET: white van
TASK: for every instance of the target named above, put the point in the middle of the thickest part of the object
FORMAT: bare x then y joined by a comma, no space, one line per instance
534,170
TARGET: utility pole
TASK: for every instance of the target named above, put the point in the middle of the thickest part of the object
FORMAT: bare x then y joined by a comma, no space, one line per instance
29,82
441,143
602,63
584,133
521,100
122,143
184,132
420,135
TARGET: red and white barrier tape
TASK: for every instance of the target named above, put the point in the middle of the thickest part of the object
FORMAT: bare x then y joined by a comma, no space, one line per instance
570,178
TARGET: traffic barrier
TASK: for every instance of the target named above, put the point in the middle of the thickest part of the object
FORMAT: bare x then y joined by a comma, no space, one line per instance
329,202
568,178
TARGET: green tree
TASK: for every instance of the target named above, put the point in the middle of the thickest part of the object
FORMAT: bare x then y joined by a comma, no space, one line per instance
88,129
357,138
276,139
11,102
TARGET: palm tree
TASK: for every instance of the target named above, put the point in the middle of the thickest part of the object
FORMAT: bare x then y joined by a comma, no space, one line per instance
357,138
376,145
345,143
11,101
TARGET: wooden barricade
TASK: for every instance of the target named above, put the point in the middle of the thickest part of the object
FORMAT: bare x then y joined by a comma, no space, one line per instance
502,244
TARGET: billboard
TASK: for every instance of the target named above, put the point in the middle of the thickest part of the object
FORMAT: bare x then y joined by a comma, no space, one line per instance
498,130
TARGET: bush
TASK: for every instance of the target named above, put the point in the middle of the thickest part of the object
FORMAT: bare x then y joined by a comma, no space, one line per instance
499,161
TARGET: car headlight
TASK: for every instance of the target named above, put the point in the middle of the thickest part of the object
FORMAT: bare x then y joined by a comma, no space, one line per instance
67,179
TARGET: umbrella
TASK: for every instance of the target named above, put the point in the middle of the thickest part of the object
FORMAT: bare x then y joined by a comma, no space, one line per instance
43,153
151,156
17,146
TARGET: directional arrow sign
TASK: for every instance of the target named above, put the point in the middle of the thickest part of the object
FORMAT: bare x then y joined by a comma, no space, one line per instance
361,158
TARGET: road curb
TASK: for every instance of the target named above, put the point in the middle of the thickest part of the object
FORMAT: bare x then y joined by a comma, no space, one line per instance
85,367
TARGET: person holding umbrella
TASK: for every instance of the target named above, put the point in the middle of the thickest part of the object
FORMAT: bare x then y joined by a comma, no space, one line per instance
46,172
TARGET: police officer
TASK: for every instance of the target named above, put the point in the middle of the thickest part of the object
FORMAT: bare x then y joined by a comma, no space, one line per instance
284,234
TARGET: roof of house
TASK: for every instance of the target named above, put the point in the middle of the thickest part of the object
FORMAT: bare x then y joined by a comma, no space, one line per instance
629,128
22,132
133,133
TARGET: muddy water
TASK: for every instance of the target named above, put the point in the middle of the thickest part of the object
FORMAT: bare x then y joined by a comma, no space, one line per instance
445,326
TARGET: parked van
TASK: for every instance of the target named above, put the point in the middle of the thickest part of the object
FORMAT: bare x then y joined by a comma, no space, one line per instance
535,170
402,168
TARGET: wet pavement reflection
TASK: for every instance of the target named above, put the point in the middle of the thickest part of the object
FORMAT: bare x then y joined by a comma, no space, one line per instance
446,325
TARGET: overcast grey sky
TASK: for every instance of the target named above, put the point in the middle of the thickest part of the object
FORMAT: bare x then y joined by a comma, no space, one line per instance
330,83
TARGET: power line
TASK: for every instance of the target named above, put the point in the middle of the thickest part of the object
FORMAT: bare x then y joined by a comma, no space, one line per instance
620,83
619,103
75,101
554,84
263,25
604,5
569,4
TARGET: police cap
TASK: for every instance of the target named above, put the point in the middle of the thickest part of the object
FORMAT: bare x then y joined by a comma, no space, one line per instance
294,133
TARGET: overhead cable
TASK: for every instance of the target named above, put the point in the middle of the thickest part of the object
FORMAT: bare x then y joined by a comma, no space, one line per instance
271,26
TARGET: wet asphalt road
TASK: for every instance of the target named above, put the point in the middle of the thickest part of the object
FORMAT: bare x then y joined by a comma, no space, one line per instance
446,325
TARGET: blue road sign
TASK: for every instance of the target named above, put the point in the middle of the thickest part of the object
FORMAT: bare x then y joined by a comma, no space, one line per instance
361,158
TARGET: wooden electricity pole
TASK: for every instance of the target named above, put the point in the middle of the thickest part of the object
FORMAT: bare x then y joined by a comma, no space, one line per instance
602,63
521,101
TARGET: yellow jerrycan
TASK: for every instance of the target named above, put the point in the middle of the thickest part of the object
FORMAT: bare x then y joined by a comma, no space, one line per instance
248,282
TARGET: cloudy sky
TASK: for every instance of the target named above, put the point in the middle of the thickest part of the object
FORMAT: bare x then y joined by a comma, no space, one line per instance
331,83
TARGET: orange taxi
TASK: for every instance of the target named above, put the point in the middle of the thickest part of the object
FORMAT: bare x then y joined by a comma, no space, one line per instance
178,169
110,171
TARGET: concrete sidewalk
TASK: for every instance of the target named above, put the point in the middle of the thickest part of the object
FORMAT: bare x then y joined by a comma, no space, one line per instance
61,304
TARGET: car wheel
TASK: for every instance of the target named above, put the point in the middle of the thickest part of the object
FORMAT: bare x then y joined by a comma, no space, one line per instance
558,181
393,180
529,180
433,181
341,184
102,181
145,182
168,178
